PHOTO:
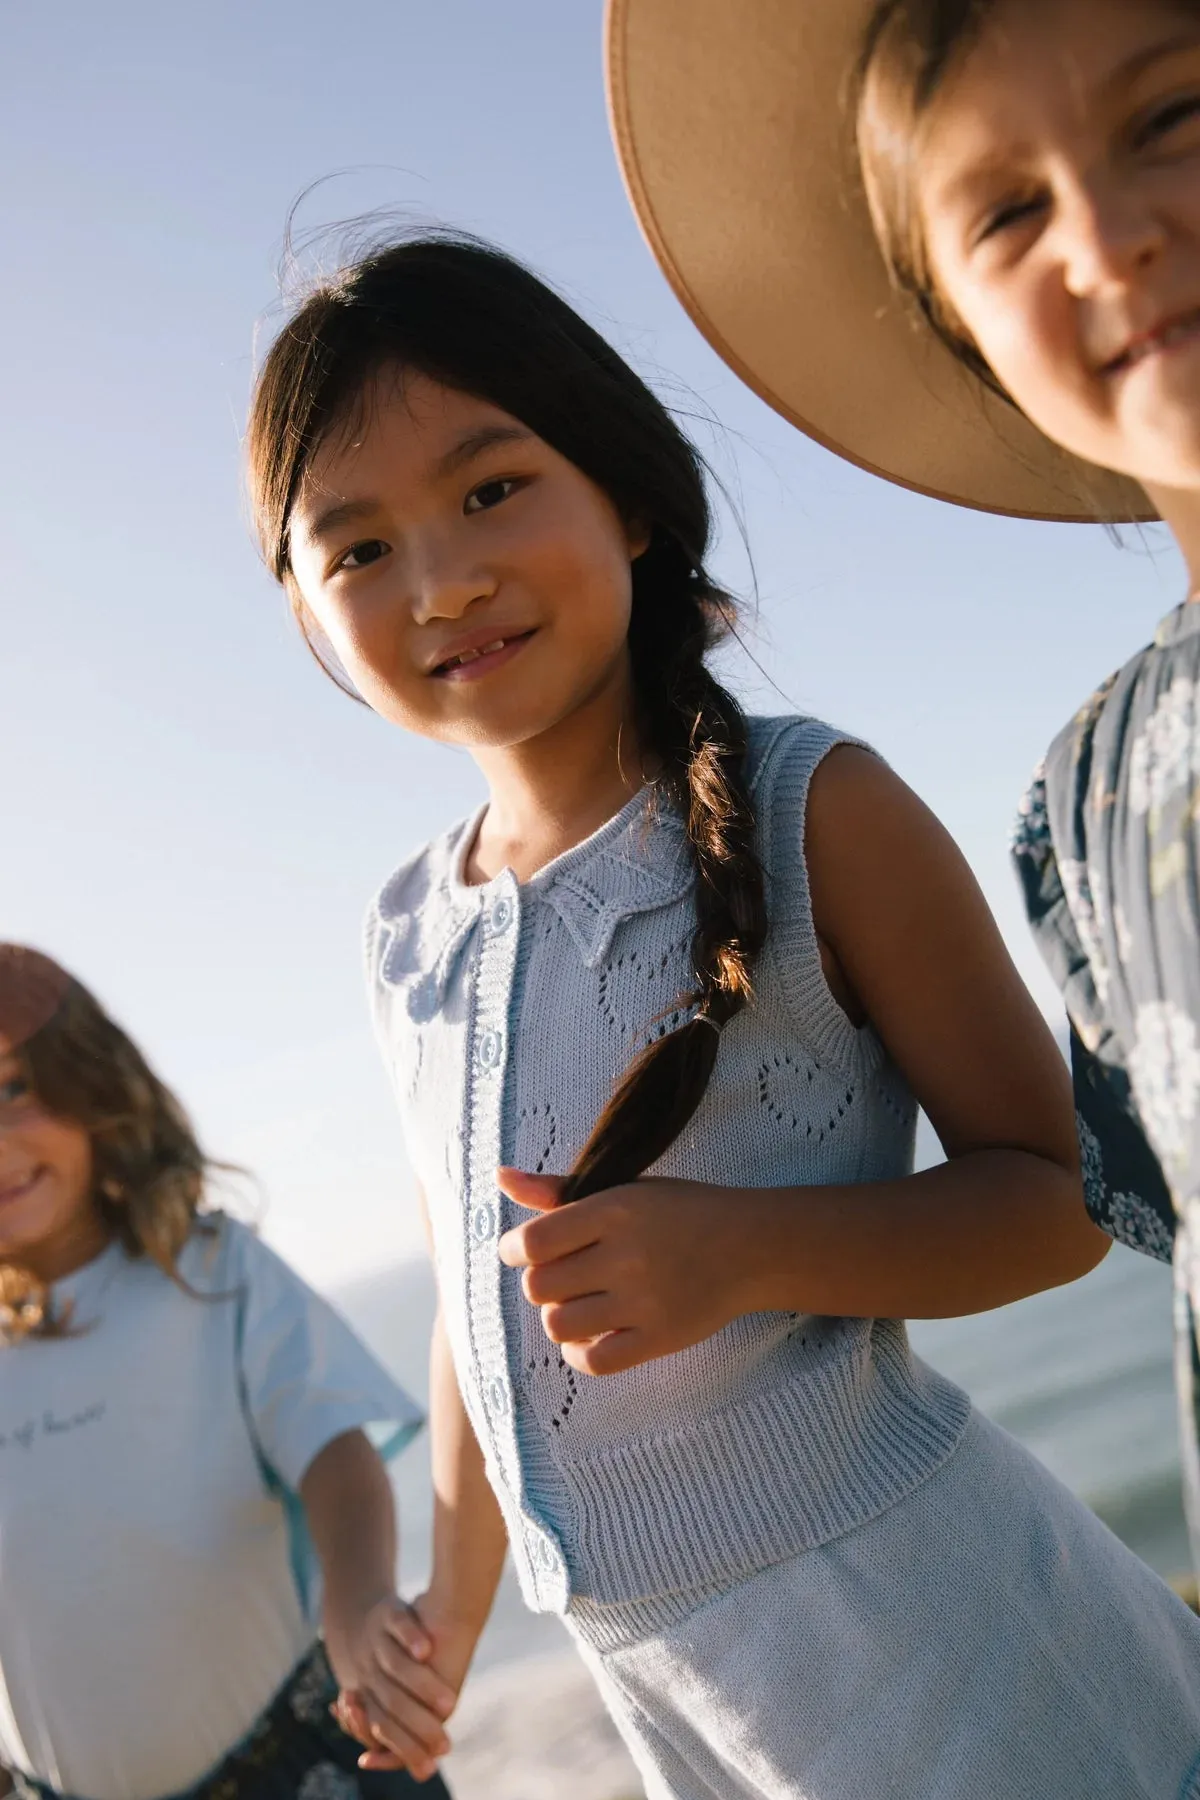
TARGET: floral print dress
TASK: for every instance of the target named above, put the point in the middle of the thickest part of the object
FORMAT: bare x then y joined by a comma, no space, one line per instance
1107,847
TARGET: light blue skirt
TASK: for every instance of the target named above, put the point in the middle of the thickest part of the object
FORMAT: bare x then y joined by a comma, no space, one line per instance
985,1639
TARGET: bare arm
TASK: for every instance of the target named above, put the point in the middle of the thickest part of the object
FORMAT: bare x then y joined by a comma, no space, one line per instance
469,1542
469,1536
379,1650
351,1517
914,948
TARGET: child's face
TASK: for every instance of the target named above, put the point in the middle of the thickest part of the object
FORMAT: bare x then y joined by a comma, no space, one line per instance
48,1218
1059,187
475,585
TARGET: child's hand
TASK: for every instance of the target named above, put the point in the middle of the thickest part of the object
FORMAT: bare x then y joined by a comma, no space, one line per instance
394,1699
441,1649
634,1273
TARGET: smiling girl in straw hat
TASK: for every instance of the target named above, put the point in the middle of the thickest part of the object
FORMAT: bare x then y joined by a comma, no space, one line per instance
1029,342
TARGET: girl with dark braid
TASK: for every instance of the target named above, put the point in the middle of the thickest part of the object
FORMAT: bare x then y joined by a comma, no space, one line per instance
659,1018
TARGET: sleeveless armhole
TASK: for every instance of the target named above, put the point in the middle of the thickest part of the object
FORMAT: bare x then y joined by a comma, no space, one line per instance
793,752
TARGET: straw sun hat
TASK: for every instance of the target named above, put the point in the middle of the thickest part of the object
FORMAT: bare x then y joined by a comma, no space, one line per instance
734,137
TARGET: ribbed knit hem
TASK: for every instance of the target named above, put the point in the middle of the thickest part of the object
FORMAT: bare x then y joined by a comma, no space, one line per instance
691,1511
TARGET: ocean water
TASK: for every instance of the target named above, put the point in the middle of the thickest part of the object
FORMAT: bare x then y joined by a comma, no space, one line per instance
1082,1375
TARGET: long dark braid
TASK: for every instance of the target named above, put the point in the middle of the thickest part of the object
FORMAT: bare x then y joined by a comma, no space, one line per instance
697,730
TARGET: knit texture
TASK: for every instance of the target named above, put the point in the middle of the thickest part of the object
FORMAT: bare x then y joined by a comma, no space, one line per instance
985,1639
506,1014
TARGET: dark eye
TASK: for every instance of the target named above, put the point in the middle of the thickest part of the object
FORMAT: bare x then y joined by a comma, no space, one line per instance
15,1088
1183,110
1015,212
489,494
359,556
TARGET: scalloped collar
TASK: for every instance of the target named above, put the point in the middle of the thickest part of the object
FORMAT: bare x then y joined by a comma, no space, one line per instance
631,864
634,863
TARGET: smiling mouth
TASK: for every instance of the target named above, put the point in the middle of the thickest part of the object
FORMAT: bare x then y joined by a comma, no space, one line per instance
1154,343
479,661
17,1190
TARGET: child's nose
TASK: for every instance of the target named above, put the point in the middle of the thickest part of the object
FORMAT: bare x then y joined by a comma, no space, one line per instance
1108,233
444,587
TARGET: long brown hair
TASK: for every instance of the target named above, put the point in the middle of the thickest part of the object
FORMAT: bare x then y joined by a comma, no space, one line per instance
464,314
148,1171
909,50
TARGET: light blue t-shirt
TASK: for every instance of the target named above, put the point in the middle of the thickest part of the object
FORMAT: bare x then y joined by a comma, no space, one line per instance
155,1589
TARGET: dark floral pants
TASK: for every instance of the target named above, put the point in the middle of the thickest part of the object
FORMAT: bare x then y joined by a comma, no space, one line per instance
295,1752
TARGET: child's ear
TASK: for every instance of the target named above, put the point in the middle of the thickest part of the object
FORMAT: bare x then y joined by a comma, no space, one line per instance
638,534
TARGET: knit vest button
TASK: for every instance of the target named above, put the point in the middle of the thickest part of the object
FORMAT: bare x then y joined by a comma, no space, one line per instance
490,1046
502,914
483,1222
542,1552
498,1397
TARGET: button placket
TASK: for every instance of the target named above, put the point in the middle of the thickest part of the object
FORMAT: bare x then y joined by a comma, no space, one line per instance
494,975
546,1565
498,1404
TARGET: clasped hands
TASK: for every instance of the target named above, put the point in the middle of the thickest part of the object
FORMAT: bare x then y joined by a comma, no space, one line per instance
399,1675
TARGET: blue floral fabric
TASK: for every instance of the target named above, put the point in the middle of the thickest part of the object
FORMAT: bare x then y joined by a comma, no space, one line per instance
1106,848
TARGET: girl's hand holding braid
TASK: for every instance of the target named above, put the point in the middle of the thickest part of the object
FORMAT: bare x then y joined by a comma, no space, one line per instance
634,1273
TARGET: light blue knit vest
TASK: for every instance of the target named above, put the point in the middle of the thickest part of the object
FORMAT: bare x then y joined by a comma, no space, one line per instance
505,1013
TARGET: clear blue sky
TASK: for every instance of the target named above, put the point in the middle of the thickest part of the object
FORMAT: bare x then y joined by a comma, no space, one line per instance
192,818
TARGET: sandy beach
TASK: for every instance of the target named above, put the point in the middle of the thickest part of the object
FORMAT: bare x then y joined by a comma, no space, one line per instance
536,1730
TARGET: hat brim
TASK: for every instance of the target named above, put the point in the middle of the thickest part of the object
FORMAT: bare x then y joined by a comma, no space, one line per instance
731,128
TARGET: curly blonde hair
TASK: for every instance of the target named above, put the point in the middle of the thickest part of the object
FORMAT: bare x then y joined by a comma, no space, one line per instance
149,1173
